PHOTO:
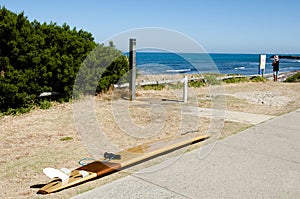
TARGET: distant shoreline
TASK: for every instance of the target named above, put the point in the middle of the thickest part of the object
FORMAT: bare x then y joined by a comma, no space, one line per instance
287,57
176,76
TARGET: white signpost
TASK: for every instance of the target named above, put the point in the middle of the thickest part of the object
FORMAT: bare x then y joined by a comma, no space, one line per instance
262,64
185,89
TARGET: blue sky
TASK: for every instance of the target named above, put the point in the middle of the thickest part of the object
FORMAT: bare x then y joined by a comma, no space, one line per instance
229,26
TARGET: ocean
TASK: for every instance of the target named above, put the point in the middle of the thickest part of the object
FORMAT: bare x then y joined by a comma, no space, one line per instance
172,63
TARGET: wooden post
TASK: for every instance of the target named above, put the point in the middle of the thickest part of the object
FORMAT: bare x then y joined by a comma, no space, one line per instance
185,89
132,65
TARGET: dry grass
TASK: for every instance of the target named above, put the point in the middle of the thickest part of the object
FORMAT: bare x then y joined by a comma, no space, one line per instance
49,138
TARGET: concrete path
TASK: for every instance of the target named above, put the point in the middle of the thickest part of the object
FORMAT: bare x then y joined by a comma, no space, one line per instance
235,116
260,162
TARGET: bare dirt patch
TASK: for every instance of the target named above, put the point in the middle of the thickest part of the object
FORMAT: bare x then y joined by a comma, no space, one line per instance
49,138
270,98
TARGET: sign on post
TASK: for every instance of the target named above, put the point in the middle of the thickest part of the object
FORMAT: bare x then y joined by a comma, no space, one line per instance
262,64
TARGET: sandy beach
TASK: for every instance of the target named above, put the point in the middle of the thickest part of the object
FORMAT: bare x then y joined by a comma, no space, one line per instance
49,138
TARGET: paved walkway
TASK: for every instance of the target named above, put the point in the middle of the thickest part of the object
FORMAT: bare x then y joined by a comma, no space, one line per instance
235,116
260,162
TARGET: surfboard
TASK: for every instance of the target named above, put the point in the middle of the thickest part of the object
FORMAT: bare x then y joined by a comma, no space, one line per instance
64,178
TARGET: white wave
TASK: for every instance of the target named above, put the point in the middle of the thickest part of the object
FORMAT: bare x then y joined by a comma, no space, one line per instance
179,70
240,68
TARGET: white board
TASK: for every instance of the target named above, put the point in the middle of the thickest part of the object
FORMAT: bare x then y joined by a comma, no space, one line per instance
262,61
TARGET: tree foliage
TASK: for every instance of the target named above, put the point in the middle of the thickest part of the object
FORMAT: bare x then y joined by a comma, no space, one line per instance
103,67
39,57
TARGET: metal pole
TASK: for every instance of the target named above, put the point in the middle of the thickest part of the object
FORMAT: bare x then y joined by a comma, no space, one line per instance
132,65
185,89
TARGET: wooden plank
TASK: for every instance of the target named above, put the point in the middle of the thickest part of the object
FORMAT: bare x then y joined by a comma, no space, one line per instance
148,150
129,157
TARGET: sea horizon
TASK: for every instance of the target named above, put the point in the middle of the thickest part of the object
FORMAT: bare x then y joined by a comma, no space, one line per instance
247,53
149,63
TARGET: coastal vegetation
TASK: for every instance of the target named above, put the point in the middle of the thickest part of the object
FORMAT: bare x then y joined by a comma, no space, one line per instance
294,78
38,57
206,80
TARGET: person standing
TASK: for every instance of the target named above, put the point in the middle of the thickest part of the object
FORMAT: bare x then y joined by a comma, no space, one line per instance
275,65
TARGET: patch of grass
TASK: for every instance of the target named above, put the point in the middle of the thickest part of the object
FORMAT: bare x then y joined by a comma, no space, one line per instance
294,78
156,87
211,79
45,104
231,128
217,101
258,79
66,138
12,111
175,86
208,103
213,74
234,102
117,94
197,83
235,80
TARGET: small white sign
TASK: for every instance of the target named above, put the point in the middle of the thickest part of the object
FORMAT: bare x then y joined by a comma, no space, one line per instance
262,61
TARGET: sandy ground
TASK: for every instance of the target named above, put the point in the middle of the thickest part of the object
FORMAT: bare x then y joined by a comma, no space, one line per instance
52,138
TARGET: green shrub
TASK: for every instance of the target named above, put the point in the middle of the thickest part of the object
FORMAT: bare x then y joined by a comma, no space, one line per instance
13,111
235,80
154,87
197,83
258,79
294,78
24,110
39,57
45,104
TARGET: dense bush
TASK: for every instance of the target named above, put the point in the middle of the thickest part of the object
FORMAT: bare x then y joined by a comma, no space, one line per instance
294,78
36,58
